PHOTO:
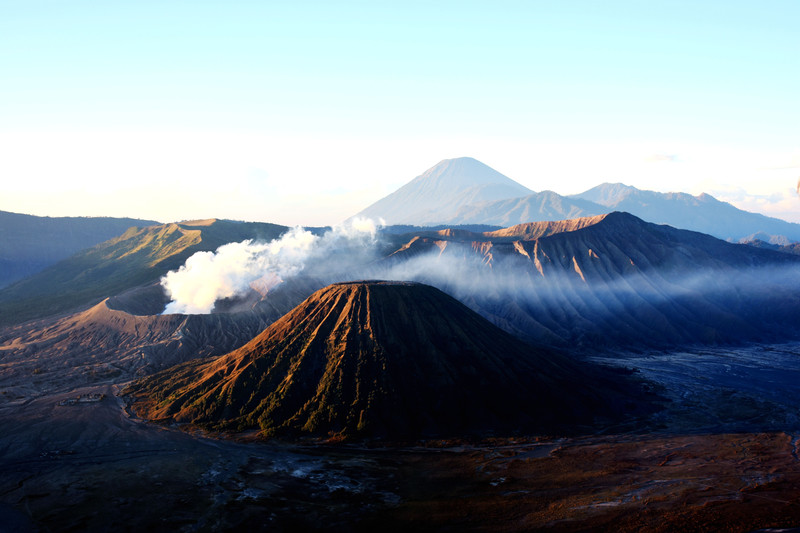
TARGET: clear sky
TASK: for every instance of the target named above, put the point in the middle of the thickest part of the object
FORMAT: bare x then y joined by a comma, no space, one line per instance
306,112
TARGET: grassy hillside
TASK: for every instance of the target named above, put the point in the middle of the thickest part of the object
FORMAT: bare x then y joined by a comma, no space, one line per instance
137,257
29,244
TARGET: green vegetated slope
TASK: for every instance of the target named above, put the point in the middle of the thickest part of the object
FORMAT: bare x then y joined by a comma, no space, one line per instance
29,244
135,258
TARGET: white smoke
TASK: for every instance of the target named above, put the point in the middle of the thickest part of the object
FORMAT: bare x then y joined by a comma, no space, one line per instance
236,268
552,301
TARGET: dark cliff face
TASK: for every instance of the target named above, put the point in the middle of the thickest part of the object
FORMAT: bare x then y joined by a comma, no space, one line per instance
380,359
610,281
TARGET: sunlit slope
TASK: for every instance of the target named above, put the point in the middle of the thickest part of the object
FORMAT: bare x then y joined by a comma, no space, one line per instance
138,257
610,280
28,243
380,359
103,342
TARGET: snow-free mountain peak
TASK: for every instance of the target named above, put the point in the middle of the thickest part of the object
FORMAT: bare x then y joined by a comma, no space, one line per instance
607,194
620,196
435,195
462,172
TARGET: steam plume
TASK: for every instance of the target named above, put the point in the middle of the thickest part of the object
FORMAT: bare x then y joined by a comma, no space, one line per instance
584,302
238,267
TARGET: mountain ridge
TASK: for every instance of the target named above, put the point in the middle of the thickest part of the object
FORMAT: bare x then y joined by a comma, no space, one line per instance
702,213
538,206
609,281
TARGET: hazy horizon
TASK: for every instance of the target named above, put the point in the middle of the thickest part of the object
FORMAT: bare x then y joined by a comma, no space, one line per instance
308,113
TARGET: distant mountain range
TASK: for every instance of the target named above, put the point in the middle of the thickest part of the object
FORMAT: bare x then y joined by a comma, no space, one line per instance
30,243
702,213
464,191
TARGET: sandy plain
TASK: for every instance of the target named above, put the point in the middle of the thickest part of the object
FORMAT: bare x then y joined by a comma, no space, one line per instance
93,466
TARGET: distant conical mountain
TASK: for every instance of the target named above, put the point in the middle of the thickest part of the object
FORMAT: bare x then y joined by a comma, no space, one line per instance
379,359
437,194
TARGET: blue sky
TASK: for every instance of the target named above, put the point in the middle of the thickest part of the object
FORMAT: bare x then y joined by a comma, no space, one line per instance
306,112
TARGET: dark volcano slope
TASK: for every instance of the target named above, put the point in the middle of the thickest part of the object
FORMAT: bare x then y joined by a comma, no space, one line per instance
382,359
